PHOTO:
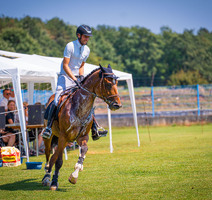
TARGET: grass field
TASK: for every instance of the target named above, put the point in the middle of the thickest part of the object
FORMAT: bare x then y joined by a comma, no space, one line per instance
175,164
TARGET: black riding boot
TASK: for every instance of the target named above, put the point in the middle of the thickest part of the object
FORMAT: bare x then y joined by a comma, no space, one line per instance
97,131
48,132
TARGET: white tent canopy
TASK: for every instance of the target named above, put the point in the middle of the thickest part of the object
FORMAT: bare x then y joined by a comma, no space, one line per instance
32,69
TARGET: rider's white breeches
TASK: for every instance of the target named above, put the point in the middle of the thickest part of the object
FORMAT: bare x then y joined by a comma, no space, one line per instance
64,82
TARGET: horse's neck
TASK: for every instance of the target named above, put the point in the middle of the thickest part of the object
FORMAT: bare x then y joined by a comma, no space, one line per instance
84,100
91,82
82,103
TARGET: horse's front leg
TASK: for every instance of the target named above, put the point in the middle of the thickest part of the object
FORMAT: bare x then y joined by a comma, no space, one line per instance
58,165
79,165
47,143
46,181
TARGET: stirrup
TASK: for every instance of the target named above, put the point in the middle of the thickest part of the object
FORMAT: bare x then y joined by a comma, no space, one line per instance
102,132
47,133
98,132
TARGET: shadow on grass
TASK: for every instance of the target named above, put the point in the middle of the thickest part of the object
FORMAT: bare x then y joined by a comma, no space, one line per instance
26,185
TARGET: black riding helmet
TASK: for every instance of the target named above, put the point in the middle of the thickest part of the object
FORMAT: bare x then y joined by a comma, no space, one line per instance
84,30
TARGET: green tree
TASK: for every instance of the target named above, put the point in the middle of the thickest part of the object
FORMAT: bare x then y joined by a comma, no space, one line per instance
20,40
32,25
140,53
186,78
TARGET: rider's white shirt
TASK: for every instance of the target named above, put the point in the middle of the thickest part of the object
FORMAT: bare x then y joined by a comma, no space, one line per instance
77,53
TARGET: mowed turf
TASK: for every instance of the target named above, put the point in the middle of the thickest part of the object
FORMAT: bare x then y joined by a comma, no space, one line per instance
175,164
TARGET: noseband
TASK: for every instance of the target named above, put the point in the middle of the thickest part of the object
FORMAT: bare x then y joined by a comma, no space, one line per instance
105,99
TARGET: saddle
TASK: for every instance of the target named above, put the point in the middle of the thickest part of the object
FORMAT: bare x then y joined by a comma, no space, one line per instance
63,97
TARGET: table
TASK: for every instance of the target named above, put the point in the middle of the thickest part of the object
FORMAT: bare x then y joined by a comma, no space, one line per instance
35,126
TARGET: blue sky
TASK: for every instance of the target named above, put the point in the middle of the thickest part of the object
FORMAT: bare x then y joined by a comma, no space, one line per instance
151,14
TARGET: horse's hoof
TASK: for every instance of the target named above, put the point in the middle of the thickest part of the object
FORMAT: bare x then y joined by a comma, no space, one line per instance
72,179
54,187
46,181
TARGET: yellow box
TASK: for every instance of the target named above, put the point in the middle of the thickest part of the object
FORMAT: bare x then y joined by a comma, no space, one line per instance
10,156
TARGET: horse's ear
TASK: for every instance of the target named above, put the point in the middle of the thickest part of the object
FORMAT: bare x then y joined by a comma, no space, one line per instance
109,66
102,69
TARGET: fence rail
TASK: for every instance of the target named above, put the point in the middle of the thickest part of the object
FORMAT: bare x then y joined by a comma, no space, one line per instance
151,100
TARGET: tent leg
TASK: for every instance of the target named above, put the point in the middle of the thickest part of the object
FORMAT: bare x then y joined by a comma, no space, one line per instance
19,103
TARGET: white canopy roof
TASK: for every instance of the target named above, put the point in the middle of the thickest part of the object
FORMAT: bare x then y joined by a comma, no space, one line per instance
35,68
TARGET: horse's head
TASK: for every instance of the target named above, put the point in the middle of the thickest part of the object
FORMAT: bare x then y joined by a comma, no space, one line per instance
107,89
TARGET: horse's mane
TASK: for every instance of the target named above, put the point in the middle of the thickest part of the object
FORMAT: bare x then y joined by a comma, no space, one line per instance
83,81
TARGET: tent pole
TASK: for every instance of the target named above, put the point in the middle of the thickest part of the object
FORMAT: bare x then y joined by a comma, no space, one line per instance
19,103
54,84
132,99
30,87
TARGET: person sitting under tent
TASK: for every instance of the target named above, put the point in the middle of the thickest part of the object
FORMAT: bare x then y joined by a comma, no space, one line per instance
7,95
7,139
9,132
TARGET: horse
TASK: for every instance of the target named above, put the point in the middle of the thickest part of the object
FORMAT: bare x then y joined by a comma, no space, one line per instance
75,118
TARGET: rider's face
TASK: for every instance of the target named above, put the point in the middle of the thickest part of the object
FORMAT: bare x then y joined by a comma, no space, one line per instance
84,39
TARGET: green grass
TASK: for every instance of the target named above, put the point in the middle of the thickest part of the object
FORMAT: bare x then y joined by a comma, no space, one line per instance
175,164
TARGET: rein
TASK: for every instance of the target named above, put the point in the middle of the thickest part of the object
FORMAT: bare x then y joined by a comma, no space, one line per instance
102,97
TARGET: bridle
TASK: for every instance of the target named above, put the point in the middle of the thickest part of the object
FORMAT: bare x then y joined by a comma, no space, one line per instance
105,99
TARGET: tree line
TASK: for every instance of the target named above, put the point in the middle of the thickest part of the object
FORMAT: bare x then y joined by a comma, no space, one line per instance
168,58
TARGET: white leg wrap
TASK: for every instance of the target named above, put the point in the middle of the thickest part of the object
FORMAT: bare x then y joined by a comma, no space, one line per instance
47,180
75,174
78,166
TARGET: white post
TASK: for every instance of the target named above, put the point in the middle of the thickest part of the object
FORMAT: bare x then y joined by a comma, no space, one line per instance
132,98
110,129
65,152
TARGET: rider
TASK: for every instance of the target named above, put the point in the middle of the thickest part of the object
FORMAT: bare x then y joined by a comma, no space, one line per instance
71,74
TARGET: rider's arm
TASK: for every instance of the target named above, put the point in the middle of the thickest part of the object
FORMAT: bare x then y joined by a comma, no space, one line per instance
81,69
67,69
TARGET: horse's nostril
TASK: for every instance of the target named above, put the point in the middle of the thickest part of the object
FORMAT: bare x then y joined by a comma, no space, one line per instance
117,106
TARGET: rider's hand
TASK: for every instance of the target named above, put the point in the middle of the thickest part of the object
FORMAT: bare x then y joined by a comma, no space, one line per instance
81,77
77,83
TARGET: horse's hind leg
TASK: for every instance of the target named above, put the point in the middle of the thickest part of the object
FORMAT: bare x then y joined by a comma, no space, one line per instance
79,165
46,181
47,143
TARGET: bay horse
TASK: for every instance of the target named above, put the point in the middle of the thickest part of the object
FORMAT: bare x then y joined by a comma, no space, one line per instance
75,119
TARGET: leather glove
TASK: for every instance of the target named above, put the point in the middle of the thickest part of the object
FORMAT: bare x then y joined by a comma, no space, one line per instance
81,77
77,83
